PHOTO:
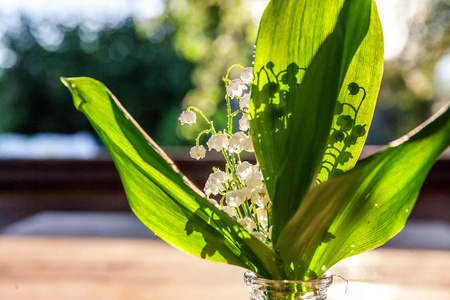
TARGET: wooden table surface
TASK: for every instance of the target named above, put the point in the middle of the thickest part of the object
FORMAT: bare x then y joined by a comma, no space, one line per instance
47,268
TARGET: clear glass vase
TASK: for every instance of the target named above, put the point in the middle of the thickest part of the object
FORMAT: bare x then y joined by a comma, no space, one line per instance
265,289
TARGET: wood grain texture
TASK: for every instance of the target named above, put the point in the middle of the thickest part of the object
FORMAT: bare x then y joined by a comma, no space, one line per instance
112,269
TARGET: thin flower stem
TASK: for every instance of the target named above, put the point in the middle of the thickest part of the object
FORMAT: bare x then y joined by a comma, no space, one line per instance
232,166
233,161
227,81
255,215
227,98
230,117
228,160
233,66
237,181
200,112
213,130
239,111
246,208
237,212
200,134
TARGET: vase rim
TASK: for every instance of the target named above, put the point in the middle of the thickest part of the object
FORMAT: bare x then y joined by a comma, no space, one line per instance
326,279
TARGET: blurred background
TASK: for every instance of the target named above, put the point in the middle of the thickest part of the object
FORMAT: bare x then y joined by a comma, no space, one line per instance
158,57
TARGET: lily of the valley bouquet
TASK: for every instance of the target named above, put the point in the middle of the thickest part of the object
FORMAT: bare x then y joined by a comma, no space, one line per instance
304,109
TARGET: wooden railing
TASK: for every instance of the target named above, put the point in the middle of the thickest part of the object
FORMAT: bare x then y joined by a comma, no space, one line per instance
30,186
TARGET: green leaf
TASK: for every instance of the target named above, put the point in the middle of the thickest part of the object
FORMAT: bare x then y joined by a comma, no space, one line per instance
366,206
163,199
303,52
356,102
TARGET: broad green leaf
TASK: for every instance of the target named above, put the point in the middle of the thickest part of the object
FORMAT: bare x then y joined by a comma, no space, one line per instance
160,196
356,103
292,108
364,207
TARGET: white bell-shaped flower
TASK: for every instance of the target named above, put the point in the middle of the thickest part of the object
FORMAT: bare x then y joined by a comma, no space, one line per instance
188,117
236,88
262,216
219,176
217,142
244,123
216,183
210,188
247,75
247,145
244,169
248,224
198,152
235,142
237,197
244,103
254,180
269,232
260,236
229,210
260,196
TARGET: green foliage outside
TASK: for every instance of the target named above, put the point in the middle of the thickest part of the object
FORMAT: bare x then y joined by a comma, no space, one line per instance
153,65
213,35
149,75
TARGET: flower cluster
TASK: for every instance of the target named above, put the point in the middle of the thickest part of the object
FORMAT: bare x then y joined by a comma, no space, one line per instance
241,186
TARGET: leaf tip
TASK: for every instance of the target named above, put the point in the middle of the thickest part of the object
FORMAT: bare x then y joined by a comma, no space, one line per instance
67,83
72,87
64,81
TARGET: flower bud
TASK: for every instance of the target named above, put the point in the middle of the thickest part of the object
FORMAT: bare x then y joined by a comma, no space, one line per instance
244,123
255,180
248,224
244,169
247,145
229,210
260,236
217,142
215,183
262,216
187,117
236,88
198,152
237,197
235,142
247,75
245,102
260,197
